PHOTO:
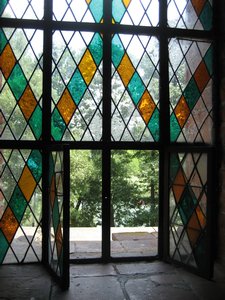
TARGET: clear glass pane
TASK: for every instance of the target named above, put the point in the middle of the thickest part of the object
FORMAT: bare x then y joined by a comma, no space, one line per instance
136,12
22,9
135,88
191,110
134,202
77,86
85,203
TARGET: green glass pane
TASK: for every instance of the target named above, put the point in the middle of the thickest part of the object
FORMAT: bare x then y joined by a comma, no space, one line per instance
55,215
208,61
174,166
174,128
206,16
187,205
17,81
3,40
136,88
191,93
153,125
3,246
118,10
35,164
18,204
77,87
96,48
3,4
36,122
96,7
200,252
58,125
117,50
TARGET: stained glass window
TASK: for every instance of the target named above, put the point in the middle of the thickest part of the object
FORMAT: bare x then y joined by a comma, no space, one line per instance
22,9
135,12
77,86
135,88
21,84
188,208
78,10
191,113
190,14
20,205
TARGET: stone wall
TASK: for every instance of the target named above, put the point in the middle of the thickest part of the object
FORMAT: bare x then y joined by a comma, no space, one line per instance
221,207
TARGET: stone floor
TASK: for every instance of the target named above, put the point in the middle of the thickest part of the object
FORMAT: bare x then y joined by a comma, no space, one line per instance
115,281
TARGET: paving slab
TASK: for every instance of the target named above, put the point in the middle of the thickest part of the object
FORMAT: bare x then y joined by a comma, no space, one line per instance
92,270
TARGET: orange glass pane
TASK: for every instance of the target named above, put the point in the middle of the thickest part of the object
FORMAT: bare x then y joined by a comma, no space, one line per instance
126,69
66,106
198,5
201,76
27,102
179,185
52,192
182,111
9,224
201,217
7,61
193,229
87,67
27,183
59,240
146,106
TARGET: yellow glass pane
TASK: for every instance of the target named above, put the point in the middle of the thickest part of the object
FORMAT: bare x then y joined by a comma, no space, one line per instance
27,183
66,106
87,67
9,224
182,111
88,1
126,2
27,102
126,70
7,61
146,106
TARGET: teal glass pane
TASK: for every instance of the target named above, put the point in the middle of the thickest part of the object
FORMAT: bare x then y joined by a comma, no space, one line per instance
96,7
118,10
117,50
206,16
191,93
18,204
35,164
3,40
153,125
77,87
55,215
187,204
36,122
96,48
174,166
3,4
174,128
3,246
136,88
17,81
208,59
58,125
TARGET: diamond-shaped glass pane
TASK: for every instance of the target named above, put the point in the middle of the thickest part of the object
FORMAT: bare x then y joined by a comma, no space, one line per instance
136,12
21,209
77,86
135,88
190,71
21,99
188,177
90,11
190,14
22,9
